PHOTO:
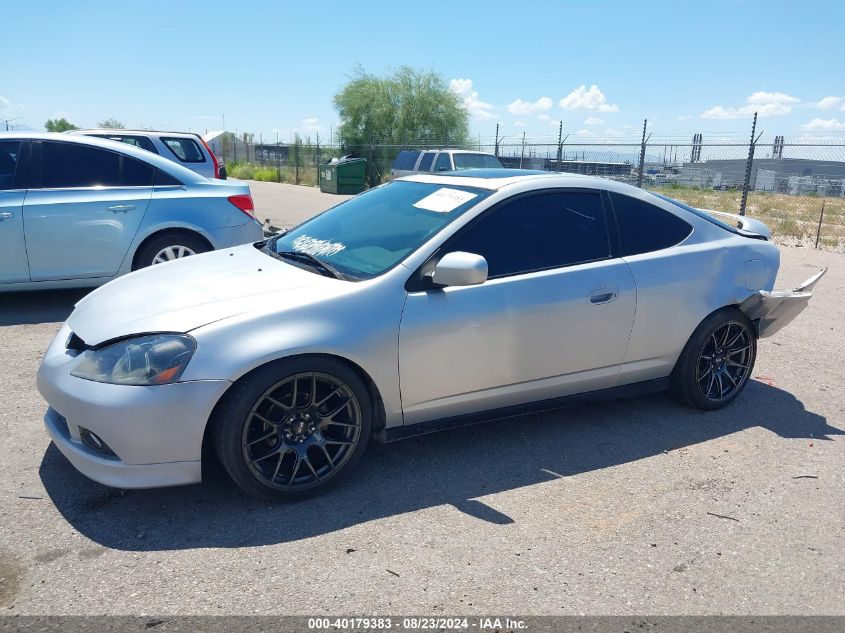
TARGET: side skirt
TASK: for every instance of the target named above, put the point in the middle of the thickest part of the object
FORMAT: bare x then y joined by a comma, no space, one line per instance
433,426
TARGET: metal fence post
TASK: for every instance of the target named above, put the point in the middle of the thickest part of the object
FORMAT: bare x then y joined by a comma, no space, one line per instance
278,160
821,219
559,145
642,156
296,144
747,184
522,153
496,150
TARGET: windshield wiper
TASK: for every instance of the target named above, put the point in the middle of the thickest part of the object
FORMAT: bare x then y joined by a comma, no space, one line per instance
308,258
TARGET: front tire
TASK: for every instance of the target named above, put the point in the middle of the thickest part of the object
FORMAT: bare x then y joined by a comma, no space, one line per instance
716,362
293,428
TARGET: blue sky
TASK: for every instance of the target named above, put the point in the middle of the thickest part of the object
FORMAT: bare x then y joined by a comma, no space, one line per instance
270,67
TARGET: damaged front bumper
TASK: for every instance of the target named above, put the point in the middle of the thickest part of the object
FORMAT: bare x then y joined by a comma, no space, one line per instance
773,310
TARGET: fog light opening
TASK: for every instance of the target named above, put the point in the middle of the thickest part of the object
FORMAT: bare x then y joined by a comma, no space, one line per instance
94,442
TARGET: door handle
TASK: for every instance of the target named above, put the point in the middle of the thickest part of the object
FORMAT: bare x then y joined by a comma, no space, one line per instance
121,208
603,294
5,215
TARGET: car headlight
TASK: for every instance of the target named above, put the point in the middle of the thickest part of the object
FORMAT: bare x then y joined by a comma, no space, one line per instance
154,359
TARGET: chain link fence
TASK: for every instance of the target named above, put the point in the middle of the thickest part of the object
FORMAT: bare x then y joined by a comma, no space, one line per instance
797,187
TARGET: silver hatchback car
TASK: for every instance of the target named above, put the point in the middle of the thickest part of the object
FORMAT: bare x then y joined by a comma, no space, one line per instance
77,211
430,302
184,148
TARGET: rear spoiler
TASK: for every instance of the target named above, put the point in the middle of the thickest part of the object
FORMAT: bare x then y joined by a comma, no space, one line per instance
749,227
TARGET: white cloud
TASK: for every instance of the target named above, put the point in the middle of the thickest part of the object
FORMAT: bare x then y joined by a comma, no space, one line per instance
763,103
825,125
554,123
594,120
475,106
519,124
5,104
829,103
312,124
544,117
587,99
521,108
766,98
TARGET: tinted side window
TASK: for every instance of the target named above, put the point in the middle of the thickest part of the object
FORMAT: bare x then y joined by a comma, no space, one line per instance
443,163
410,161
162,178
185,149
644,228
136,141
536,232
400,159
72,165
425,163
137,173
9,153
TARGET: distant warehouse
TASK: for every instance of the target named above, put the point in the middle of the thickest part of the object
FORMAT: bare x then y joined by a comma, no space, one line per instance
796,176
585,167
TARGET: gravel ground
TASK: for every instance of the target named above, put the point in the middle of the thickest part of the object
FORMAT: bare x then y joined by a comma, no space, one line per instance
637,506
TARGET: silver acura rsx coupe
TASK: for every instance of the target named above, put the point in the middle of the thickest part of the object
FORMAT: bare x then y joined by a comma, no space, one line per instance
430,302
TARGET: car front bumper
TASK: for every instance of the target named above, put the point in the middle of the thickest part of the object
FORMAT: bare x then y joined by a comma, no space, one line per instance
153,434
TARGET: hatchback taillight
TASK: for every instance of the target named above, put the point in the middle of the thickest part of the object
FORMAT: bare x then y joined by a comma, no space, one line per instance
213,158
244,202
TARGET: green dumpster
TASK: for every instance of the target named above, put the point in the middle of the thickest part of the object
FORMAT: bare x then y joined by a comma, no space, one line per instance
344,176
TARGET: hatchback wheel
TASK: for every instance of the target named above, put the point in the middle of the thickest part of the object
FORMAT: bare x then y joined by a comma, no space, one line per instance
169,247
292,428
717,361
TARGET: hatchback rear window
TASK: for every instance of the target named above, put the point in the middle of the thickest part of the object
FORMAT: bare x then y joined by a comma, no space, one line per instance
186,149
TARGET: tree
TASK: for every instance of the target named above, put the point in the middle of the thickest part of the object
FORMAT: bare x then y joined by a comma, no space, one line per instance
112,124
405,107
59,125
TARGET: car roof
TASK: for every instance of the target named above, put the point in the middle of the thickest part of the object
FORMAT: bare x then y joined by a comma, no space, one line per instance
182,173
497,178
449,150
123,131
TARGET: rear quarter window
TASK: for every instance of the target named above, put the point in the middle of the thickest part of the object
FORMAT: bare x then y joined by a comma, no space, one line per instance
644,228
186,150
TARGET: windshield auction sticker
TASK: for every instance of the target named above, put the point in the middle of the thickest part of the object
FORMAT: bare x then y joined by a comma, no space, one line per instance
444,200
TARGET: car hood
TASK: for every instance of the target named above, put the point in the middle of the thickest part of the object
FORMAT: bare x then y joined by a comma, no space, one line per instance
183,295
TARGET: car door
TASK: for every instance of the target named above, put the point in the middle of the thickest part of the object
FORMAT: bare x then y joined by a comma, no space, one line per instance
553,318
83,213
13,263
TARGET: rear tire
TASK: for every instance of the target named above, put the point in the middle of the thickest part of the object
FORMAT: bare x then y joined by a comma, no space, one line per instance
170,246
716,362
293,428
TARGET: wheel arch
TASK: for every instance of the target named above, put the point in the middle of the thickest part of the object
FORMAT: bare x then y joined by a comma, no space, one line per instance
727,306
380,415
176,230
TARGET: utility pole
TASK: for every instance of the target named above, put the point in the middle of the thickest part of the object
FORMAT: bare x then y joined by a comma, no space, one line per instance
496,151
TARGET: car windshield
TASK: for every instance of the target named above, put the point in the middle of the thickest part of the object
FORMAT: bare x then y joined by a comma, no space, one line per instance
476,161
372,232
